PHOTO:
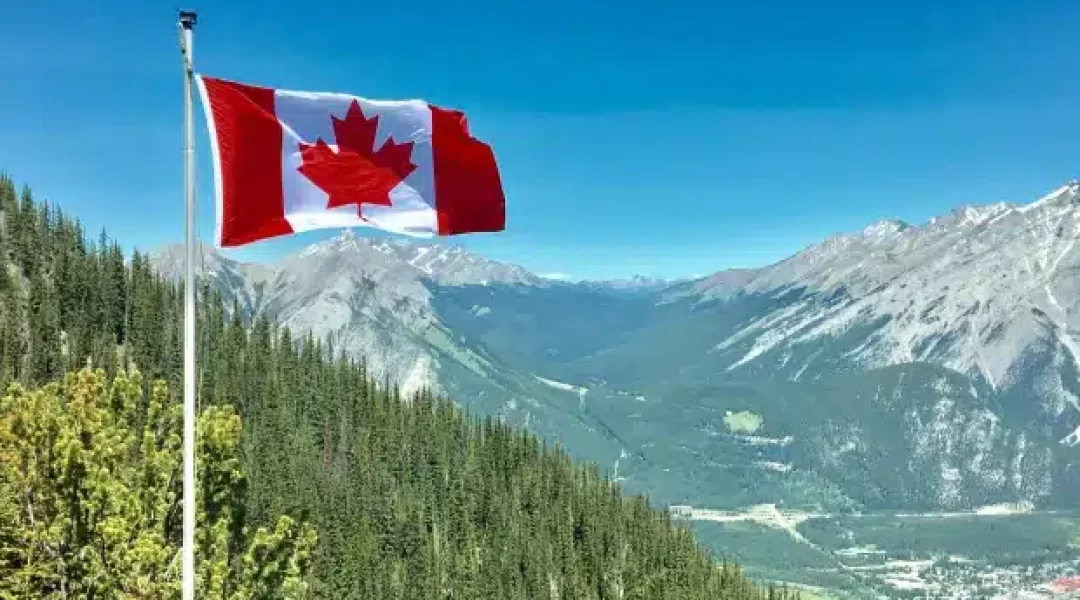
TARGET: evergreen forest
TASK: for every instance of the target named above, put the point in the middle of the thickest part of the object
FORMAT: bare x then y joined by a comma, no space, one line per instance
315,481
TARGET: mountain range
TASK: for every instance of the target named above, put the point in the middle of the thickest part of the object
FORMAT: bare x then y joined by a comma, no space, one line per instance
898,367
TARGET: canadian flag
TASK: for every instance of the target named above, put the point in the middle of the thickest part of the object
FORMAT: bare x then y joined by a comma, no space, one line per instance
288,161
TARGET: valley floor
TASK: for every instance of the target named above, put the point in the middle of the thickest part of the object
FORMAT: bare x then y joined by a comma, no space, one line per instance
993,552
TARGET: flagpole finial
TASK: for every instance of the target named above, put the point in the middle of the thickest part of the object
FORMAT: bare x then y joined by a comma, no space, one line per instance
188,19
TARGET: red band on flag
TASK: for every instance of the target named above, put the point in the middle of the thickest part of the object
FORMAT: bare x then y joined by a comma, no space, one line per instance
468,192
248,139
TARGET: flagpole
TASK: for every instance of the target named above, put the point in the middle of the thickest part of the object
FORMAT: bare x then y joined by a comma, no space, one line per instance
187,23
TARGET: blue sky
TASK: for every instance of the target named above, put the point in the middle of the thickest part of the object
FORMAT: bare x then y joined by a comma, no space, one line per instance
633,137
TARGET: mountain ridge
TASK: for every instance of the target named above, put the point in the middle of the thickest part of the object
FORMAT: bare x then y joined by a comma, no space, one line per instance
425,256
588,364
870,265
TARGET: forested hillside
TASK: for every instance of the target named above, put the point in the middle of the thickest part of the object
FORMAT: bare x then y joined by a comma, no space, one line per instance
410,497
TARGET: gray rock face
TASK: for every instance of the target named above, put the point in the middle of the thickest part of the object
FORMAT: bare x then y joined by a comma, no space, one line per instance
975,291
370,297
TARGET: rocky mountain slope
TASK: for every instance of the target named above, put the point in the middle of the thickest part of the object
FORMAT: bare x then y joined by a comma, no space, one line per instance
976,291
899,366
370,297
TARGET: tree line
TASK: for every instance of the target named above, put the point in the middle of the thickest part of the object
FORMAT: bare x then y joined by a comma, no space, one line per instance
322,483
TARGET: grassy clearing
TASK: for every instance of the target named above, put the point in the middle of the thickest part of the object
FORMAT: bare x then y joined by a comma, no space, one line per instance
742,422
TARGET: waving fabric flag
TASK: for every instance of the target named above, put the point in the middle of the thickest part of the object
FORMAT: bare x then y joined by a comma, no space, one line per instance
287,161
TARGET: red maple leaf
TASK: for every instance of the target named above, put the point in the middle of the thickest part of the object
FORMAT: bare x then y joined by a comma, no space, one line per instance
357,173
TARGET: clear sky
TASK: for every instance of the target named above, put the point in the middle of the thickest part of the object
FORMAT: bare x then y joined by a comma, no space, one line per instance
664,139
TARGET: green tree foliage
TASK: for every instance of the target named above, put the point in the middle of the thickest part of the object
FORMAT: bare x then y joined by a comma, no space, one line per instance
411,497
91,499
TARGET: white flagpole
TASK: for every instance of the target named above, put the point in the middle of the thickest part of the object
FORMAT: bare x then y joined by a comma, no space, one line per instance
187,22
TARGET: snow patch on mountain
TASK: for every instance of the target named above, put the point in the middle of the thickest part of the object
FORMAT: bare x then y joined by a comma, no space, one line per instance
566,387
1073,439
1053,197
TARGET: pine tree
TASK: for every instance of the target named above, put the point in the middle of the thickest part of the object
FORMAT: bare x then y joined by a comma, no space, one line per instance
25,233
102,518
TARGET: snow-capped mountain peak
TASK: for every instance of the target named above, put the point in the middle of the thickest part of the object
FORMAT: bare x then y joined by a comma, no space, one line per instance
442,263
885,229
